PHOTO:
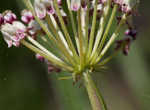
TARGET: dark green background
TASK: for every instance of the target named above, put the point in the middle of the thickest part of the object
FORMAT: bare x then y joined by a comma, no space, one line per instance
25,84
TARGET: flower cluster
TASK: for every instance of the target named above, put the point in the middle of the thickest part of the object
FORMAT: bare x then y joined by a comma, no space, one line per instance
73,35
43,7
33,28
12,30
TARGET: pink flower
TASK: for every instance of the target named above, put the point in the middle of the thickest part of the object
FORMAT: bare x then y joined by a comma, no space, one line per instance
75,5
40,9
26,16
9,17
39,57
59,2
50,10
13,33
132,33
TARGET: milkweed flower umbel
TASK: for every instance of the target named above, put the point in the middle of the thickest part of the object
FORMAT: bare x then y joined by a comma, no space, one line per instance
72,35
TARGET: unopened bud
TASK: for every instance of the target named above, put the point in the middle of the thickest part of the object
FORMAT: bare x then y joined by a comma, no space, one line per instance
39,57
40,9
132,33
26,16
75,5
9,17
13,33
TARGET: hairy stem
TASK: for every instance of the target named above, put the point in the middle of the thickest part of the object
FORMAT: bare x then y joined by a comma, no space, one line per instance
95,97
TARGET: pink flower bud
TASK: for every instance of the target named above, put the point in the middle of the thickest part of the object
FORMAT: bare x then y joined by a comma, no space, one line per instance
51,69
40,9
49,6
59,2
9,17
26,16
84,4
132,33
39,57
75,5
50,10
13,33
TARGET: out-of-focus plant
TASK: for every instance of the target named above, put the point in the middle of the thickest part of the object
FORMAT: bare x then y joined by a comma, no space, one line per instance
72,36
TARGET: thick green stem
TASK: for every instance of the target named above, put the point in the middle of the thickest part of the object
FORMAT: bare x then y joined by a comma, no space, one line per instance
95,97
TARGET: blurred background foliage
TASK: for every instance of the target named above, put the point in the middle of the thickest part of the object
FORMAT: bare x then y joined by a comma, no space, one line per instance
26,85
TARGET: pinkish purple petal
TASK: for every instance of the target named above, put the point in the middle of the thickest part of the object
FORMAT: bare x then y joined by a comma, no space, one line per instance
9,17
75,5
26,16
40,9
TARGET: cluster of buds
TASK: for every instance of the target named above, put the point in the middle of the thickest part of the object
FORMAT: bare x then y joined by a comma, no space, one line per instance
43,7
12,30
33,28
130,36
71,34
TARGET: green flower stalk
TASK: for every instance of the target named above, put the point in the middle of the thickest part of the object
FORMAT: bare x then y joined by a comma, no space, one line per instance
72,35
